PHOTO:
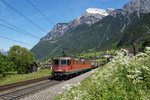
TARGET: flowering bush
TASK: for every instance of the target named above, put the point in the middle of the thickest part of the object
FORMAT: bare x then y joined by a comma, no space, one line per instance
125,77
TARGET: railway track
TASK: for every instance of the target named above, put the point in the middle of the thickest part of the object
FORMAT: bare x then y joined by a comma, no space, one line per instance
16,95
22,83
28,89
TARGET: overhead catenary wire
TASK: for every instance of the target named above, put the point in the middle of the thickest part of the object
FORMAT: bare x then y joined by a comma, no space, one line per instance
40,12
16,30
19,13
20,30
14,40
35,7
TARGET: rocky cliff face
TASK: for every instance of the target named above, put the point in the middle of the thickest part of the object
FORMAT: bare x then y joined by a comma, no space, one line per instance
58,30
91,16
142,6
139,6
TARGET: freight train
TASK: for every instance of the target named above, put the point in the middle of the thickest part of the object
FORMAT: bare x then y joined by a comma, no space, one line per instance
66,66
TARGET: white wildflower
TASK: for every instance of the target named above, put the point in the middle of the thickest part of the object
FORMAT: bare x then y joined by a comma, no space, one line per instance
113,60
144,67
147,52
141,59
116,79
67,87
92,71
78,84
140,78
147,48
94,77
136,81
141,54
130,71
73,91
62,99
130,76
137,71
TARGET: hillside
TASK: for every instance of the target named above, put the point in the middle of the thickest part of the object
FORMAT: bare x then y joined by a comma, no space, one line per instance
92,31
126,77
137,32
103,34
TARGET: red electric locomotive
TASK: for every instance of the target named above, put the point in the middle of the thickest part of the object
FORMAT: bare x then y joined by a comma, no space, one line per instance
65,66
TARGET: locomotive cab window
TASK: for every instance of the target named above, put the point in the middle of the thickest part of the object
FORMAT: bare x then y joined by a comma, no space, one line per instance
68,62
56,62
63,62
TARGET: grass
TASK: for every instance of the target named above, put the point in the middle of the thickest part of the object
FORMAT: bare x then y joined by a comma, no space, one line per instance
91,53
126,77
11,78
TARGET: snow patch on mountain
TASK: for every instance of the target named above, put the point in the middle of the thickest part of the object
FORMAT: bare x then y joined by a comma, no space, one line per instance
97,11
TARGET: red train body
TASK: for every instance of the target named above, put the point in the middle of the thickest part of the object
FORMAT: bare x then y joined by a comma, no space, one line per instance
64,66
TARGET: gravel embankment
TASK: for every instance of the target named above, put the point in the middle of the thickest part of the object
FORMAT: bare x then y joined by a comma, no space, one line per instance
52,92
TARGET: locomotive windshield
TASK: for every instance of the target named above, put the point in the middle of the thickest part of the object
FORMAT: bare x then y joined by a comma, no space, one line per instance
63,62
56,62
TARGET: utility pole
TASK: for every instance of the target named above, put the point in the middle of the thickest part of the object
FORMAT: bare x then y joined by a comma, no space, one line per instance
95,54
63,53
135,48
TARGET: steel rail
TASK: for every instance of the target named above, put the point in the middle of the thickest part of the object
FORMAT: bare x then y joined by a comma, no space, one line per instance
22,83
15,95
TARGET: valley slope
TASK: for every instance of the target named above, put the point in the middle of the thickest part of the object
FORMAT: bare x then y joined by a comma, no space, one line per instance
101,34
137,33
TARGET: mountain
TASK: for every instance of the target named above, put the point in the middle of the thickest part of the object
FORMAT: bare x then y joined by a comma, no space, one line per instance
4,52
101,34
141,6
90,16
58,30
136,33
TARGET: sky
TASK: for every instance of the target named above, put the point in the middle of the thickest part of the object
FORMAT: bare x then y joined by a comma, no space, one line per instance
57,11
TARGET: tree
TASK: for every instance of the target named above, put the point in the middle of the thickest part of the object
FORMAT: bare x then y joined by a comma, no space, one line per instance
5,64
146,42
22,58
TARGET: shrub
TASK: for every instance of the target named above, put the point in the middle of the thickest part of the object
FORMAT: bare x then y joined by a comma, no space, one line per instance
42,67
